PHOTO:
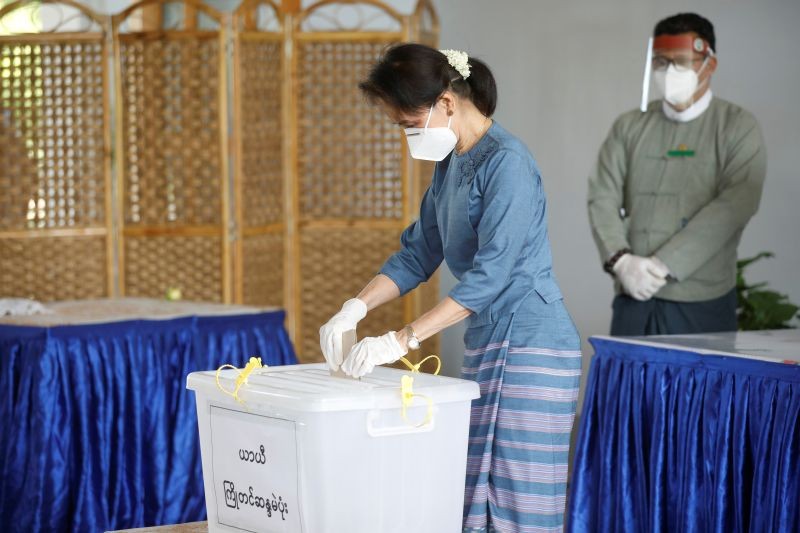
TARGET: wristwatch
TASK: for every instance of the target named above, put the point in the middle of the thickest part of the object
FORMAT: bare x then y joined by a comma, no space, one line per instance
413,340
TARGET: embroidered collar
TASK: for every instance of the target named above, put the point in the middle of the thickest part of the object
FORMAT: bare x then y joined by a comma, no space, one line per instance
469,161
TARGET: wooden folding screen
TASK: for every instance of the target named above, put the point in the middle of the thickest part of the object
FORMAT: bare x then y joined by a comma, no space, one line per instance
172,153
306,136
55,189
319,187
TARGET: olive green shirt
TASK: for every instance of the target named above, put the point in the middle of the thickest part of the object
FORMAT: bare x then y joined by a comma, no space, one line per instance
682,191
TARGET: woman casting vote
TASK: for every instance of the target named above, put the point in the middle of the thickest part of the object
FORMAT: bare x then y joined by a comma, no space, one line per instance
484,214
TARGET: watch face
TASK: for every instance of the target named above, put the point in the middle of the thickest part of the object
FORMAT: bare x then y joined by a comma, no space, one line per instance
413,343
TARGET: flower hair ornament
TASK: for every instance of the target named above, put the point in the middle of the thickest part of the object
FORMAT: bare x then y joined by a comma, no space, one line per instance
458,60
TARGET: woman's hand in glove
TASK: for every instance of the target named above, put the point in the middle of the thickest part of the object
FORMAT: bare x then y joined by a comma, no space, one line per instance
330,335
373,351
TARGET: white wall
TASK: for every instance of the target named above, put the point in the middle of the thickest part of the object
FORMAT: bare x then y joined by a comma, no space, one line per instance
565,70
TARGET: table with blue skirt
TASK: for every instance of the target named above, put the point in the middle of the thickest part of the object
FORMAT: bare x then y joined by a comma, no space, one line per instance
690,433
98,429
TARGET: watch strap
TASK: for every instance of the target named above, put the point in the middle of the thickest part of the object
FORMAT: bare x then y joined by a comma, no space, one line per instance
413,340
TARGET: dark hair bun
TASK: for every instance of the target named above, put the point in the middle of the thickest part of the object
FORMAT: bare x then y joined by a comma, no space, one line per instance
410,77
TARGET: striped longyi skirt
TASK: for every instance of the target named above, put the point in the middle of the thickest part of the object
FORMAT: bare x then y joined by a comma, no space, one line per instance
528,366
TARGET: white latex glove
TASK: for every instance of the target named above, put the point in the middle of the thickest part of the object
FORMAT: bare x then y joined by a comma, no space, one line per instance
330,335
372,351
641,277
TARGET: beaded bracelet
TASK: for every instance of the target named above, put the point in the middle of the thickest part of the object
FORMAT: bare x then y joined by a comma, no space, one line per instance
608,266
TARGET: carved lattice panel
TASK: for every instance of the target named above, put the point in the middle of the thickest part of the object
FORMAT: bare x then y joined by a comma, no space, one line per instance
171,144
53,268
260,107
172,129
349,158
335,263
263,271
54,134
261,196
52,124
155,264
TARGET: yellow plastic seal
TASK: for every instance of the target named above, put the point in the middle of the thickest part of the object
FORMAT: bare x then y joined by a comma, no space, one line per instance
415,368
407,394
241,379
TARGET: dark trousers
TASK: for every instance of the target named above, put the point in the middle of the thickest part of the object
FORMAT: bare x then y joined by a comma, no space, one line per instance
664,317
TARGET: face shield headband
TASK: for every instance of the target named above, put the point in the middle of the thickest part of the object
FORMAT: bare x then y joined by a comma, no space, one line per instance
681,43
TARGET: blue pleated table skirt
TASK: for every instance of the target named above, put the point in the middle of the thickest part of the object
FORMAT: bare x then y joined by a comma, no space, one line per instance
98,429
672,440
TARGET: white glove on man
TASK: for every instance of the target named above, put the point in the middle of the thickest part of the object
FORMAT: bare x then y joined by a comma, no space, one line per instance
372,351
330,335
641,277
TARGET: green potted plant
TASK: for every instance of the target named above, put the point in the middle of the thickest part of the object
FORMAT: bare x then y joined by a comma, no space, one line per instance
758,306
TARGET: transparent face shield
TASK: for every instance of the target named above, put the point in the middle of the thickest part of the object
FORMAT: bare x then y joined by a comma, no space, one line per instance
672,67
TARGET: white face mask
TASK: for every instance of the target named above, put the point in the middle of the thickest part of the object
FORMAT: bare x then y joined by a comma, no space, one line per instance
431,144
677,85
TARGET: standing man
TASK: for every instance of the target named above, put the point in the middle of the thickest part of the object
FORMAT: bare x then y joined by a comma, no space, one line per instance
674,186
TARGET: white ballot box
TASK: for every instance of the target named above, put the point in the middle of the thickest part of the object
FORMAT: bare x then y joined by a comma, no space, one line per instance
307,452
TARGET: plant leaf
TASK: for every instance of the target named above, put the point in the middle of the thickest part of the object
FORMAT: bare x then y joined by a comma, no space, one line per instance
758,307
742,263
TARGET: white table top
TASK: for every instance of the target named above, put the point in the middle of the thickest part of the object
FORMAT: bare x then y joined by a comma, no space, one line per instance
781,345
74,312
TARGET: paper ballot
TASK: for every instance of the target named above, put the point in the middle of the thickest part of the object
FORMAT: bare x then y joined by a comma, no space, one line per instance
348,341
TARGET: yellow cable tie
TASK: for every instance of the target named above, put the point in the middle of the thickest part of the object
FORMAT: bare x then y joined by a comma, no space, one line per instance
407,395
241,379
406,388
415,367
